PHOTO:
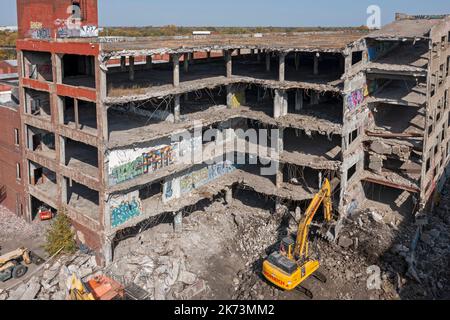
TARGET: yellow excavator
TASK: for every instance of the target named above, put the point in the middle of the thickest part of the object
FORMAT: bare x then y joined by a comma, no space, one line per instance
292,265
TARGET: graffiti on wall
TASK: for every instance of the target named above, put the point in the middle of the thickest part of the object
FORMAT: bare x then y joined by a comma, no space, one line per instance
37,31
125,208
144,162
80,32
187,183
355,99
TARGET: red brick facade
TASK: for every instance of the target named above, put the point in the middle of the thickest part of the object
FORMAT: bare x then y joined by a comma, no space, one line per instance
11,186
43,19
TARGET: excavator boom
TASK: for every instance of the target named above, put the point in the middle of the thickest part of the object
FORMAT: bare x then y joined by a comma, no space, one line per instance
323,196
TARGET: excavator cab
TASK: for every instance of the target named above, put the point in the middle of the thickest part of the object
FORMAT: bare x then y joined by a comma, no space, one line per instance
287,247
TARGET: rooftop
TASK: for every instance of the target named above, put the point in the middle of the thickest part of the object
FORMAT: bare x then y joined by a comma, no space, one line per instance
407,28
330,41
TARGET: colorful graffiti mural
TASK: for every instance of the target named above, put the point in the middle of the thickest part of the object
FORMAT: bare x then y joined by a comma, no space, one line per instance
189,182
355,99
124,209
146,162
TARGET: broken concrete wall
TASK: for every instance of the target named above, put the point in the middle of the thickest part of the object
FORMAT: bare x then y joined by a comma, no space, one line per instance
437,92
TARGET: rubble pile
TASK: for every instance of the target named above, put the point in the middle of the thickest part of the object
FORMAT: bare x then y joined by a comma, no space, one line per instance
11,226
52,283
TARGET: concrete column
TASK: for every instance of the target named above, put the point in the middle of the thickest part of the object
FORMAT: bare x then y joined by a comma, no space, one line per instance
279,177
77,114
267,61
177,108
176,69
132,68
229,195
260,95
258,56
297,61
62,150
63,190
108,251
178,221
123,63
282,67
298,99
314,98
316,64
280,103
186,62
208,56
59,68
229,63
149,62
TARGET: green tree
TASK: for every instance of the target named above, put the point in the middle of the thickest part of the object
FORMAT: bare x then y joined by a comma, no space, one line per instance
60,235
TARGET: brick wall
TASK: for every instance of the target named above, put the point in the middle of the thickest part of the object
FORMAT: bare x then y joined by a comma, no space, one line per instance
44,19
11,189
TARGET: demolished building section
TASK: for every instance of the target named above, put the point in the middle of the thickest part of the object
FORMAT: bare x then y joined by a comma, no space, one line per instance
113,138
407,136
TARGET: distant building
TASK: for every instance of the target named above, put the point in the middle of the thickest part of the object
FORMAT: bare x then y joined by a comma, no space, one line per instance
11,171
9,28
201,33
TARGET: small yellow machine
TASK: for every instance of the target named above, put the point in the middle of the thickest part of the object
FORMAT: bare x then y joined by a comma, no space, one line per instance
11,264
292,265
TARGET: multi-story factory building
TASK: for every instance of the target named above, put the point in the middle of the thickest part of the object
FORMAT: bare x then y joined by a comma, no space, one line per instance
106,120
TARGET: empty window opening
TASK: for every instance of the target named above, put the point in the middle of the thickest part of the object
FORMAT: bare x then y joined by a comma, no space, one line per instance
38,65
82,199
16,137
353,136
38,206
18,172
37,103
81,157
79,70
41,141
43,179
357,56
351,172
79,114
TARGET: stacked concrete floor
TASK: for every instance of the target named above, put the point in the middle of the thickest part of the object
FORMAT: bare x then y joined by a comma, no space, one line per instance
367,111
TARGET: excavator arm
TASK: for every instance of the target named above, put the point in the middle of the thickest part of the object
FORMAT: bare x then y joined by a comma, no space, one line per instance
323,196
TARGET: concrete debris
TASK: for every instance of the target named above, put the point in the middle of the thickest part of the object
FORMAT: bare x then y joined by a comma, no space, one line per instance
194,290
51,283
345,242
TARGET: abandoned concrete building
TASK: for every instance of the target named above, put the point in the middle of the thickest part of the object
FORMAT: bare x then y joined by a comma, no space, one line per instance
369,111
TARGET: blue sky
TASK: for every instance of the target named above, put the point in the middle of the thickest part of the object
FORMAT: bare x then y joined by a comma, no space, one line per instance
246,12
